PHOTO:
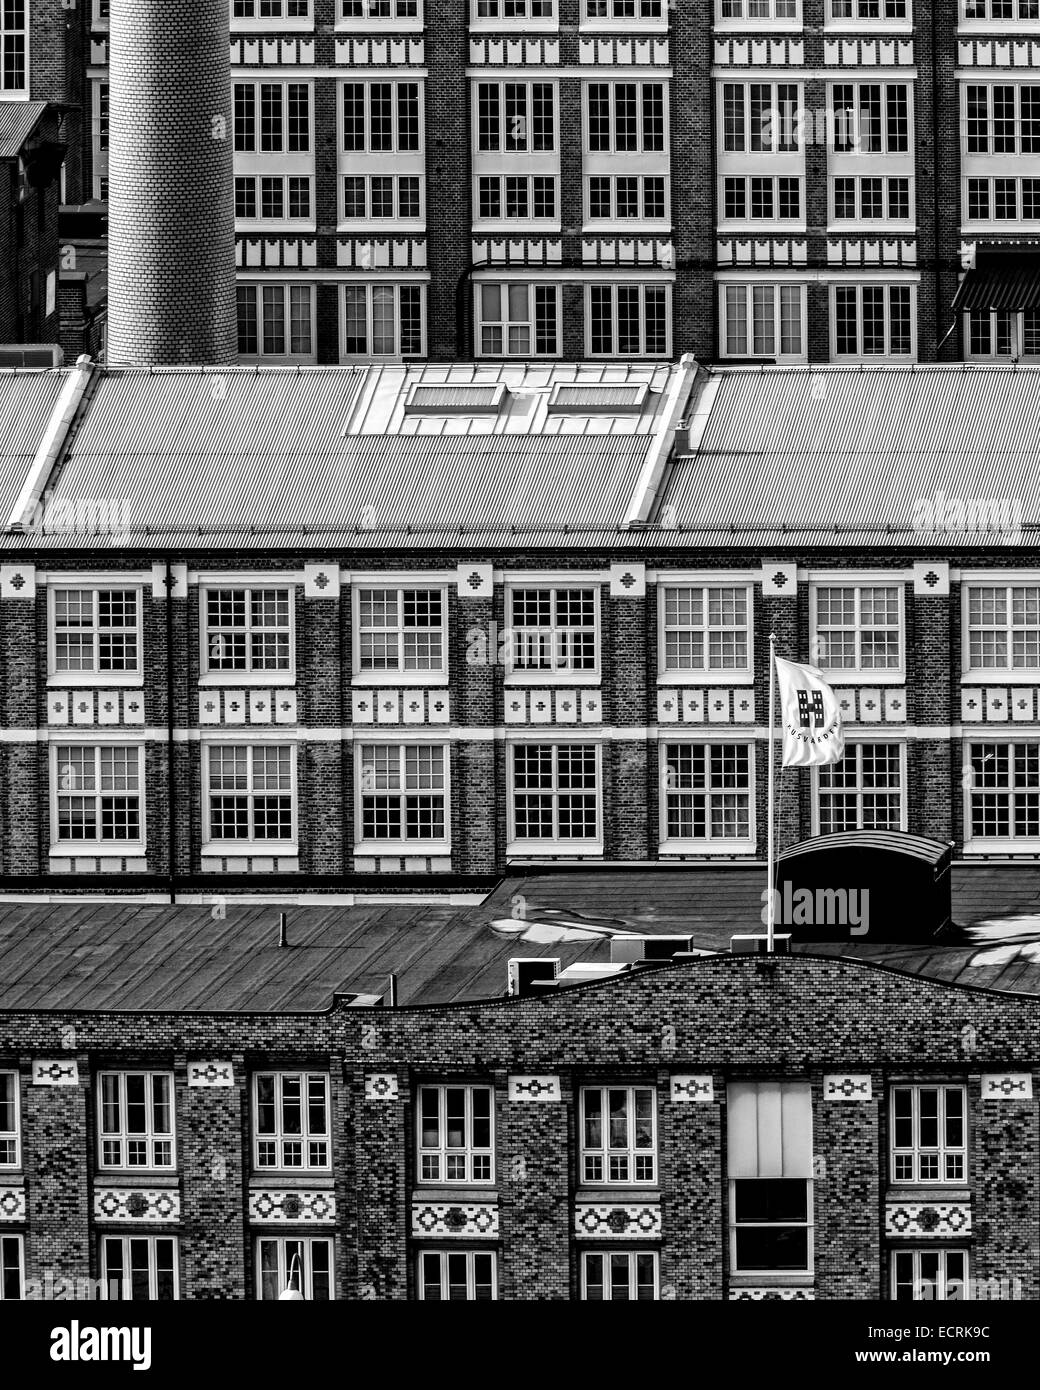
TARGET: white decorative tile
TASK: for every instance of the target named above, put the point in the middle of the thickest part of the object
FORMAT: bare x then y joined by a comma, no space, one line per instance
516,706
1022,699
475,581
438,706
413,706
684,1088
971,705
591,706
870,706
718,706
321,581
534,1088
932,578
847,1086
780,580
1007,1085
566,707
284,706
617,1220
668,706
108,706
17,581
56,1071
12,1200
461,1220
997,704
628,581
693,706
211,1074
895,705
209,707
310,1206
744,706
938,1220
363,706
57,707
133,706
82,703
388,707
540,706
381,1086
235,705
259,707
147,1204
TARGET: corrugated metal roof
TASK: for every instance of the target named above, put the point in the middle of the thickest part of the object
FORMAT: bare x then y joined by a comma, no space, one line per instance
26,400
1013,288
104,956
18,120
864,450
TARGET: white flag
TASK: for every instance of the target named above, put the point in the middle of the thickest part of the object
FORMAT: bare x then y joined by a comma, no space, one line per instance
809,716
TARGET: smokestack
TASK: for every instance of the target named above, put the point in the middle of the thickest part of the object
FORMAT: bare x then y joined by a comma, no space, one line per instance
171,212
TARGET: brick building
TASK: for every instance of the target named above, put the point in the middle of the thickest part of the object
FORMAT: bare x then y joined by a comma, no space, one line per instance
792,180
195,1105
414,625
30,163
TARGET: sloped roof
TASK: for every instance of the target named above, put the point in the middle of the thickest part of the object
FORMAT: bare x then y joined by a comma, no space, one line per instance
18,120
27,398
796,456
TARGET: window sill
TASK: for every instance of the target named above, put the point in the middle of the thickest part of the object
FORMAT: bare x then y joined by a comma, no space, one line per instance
765,229
703,849
799,1278
516,679
761,26
378,26
1000,678
624,26
249,849
159,1177
272,26
255,226
868,26
871,229
414,226
619,1192
401,848
540,851
840,679
454,1192
696,678
219,679
102,680
637,226
514,26
1002,847
373,680
94,850
518,226
297,1177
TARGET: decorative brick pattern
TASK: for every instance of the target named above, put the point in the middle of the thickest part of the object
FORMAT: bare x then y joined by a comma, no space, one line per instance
313,1208
847,1086
148,1205
767,1293
62,1071
1007,1086
381,1086
211,1075
695,1088
12,1201
534,1088
937,1220
461,1220
617,1221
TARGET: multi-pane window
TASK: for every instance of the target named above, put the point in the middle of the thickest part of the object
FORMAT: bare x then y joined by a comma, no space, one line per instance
98,794
400,630
1002,334
1001,10
96,631
275,321
485,12
307,1259
706,628
1004,627
871,117
868,11
14,31
858,627
516,197
11,1267
1002,118
291,1120
517,320
761,118
248,630
618,1135
402,792
382,117
135,1119
456,1134
771,1225
770,1165
1002,199
382,197
102,115
621,1275
873,321
383,320
273,197
932,1275
627,197
272,117
10,1140
757,11
871,199
625,117
555,791
862,792
762,320
628,320
553,629
761,197
274,10
456,1276
99,136
707,792
250,792
379,11
516,117
929,1134
625,12
1004,791
139,1268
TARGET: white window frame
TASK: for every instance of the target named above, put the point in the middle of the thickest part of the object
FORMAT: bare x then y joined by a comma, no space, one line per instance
556,674
941,1290
7,1240
25,32
602,226
1016,335
369,285
440,845
98,155
631,1256
860,22
246,847
440,1153
748,287
125,1238
854,753
512,224
973,25
371,223
887,284
280,1138
98,19
281,23
942,1150
858,160
401,674
94,741
858,674
849,226
368,163
503,162
615,287
442,1257
284,160
990,164
498,23
261,223
614,22
710,844
772,1275
630,1153
506,283
95,676
1006,674
249,675
704,675
151,1135
641,160
991,220
282,1245
747,163
13,1136
1010,843
393,23
767,220
550,846
257,287
745,21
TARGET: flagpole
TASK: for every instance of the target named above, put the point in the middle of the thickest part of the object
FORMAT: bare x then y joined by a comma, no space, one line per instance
771,900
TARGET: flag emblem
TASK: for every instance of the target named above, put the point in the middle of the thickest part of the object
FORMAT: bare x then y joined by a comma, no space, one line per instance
809,717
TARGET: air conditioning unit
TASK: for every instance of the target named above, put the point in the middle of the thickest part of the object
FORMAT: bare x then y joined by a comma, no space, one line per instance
31,355
583,973
526,973
636,947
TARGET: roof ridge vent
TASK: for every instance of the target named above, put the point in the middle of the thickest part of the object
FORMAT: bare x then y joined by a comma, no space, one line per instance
455,398
598,397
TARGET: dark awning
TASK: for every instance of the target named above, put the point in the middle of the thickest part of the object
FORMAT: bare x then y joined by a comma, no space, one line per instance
1008,289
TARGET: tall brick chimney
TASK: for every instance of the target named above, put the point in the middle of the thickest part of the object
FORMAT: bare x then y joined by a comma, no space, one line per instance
171,227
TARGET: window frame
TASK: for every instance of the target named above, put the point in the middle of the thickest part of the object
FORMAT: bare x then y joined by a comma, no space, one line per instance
125,1238
868,358
383,24
249,675
612,23
442,1150
371,223
943,1284
1018,335
507,323
279,1137
438,846
1011,842
255,159
1007,674
24,32
286,848
857,23
280,24
772,1275
749,287
504,223
555,674
122,1136
710,845
972,25
12,1136
397,284
95,741
856,745
443,1256
403,675
745,22
942,1149
95,676
706,675
859,674
17,1240
632,1257
630,1152
551,846
641,287
495,24
282,1245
